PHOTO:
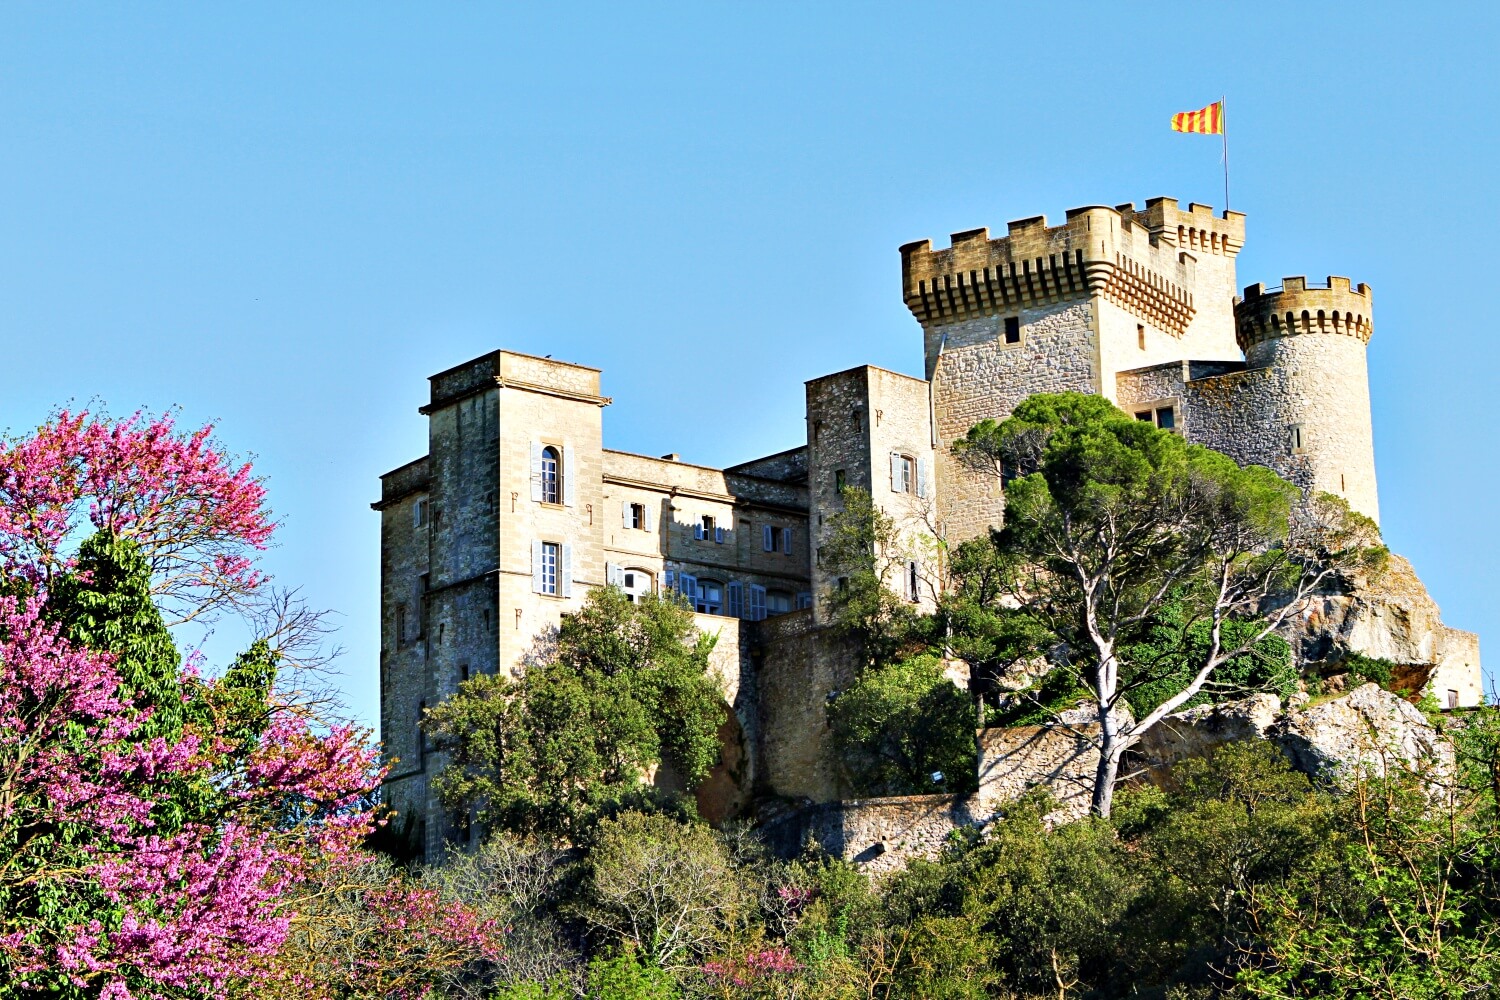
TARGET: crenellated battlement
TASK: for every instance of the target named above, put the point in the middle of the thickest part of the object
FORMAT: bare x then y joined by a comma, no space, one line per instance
1096,251
1295,307
1196,230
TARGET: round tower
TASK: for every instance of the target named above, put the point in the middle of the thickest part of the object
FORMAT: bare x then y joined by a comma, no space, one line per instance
1312,342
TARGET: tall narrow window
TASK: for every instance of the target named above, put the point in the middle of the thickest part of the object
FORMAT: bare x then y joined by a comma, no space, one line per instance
1012,329
755,609
1140,336
1294,435
903,473
636,515
786,540
913,591
838,481
735,592
551,475
548,568
1452,698
419,513
768,538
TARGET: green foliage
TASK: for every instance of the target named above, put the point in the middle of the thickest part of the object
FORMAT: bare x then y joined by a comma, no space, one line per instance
1038,704
661,889
627,977
1126,546
862,550
104,603
901,722
1368,670
574,738
1172,646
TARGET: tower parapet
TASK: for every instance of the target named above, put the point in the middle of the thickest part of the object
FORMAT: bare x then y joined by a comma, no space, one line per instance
1314,393
1096,251
1264,314
1197,230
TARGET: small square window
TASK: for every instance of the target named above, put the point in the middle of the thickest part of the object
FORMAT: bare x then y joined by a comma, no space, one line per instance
1144,415
1165,418
1012,329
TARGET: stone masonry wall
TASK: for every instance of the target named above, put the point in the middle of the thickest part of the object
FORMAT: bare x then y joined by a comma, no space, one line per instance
979,376
1013,760
880,835
798,665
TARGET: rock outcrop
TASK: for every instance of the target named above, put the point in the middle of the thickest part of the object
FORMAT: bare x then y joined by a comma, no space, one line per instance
1367,729
1197,731
1390,615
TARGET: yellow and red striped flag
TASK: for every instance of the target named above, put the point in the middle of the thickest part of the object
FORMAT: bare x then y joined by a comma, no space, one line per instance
1209,120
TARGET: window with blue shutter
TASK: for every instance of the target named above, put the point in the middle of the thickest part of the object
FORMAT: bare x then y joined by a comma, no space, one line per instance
757,608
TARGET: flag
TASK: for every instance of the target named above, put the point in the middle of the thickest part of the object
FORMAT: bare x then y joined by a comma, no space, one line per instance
1209,120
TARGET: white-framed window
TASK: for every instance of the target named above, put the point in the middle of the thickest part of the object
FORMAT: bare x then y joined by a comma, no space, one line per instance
768,538
551,475
908,474
552,568
710,598
778,602
734,591
755,608
419,513
786,541
551,560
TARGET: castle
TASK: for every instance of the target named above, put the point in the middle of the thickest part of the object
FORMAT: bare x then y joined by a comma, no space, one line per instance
518,508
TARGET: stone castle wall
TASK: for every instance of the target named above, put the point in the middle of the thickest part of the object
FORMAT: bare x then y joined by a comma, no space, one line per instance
1137,305
978,376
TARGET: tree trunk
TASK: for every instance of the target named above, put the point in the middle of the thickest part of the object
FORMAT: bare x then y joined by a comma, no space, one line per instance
1104,777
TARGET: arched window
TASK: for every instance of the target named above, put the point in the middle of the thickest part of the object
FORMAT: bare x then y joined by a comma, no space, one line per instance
551,475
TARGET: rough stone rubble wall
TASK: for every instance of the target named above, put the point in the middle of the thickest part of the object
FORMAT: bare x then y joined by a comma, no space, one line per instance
978,376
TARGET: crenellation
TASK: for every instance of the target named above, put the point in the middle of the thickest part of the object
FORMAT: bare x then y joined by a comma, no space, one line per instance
1137,305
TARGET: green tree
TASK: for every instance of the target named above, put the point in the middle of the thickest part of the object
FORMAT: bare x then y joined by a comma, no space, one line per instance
1109,520
627,690
900,723
863,551
661,888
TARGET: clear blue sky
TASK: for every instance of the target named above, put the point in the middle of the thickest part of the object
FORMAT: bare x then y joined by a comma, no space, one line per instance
285,217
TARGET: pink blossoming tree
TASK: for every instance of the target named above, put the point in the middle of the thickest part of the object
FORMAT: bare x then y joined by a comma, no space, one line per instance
155,825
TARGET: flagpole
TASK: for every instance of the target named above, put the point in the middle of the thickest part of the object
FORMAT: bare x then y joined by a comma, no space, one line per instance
1224,131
